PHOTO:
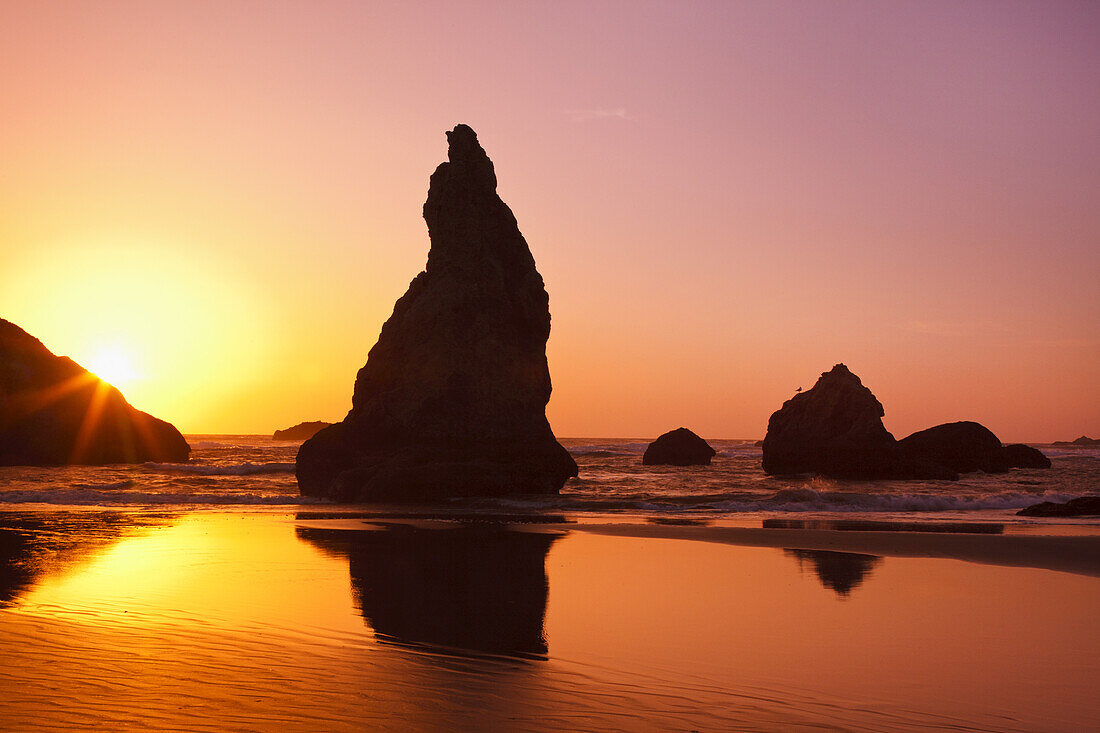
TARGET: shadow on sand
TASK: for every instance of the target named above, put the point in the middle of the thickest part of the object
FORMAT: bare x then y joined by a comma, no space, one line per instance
469,590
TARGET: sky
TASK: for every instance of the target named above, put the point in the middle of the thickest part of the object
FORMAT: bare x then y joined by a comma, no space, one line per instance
219,202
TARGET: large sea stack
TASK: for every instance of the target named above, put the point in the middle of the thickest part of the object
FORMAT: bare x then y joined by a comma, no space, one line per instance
54,412
452,399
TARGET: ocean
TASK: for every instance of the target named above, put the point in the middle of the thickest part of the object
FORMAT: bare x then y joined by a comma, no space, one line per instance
241,470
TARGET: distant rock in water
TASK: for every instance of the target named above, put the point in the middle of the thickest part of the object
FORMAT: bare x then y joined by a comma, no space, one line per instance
679,447
452,400
964,447
1082,505
835,429
1083,442
1019,455
301,431
54,412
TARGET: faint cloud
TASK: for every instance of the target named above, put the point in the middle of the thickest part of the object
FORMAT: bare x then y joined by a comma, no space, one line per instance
583,115
934,328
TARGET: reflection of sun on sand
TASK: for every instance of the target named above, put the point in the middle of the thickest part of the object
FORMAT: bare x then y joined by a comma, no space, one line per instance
255,621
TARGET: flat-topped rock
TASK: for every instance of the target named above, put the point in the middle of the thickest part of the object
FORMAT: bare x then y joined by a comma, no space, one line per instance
452,399
679,447
54,412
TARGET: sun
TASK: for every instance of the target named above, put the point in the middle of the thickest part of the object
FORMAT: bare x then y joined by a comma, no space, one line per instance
113,365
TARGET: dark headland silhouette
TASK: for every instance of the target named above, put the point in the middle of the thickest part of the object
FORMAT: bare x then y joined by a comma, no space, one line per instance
55,412
679,447
301,431
1083,442
835,429
452,400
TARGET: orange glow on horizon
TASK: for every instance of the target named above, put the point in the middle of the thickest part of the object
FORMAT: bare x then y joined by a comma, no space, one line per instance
723,202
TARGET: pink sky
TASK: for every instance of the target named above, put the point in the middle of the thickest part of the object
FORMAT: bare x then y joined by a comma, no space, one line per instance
724,199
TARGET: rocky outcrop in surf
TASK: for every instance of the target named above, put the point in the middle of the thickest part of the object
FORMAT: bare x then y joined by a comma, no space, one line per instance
55,412
679,447
452,399
835,429
1018,455
301,431
963,447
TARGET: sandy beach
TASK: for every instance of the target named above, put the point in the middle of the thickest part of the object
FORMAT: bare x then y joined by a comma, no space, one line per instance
265,620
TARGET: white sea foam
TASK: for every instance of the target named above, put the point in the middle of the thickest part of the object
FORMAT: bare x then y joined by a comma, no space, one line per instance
239,469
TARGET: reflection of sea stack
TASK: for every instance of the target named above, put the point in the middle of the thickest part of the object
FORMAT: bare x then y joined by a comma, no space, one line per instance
453,396
480,590
840,571
54,412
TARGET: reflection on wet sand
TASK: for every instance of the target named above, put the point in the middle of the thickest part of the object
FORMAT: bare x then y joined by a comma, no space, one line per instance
840,571
478,589
36,545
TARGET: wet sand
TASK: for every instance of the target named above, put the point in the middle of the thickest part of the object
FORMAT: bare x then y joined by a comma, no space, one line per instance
258,620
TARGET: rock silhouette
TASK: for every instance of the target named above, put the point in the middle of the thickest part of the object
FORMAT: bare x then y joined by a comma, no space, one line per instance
475,589
301,431
1019,455
55,412
452,400
835,429
679,447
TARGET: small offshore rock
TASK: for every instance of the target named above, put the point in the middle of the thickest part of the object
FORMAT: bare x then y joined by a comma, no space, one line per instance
1018,455
1082,505
679,447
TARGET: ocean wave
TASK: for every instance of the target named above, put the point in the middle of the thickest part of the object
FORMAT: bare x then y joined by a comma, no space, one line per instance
109,486
83,497
239,469
793,500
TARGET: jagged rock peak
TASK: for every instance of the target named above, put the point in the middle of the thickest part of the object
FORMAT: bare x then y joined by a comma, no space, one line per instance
452,399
